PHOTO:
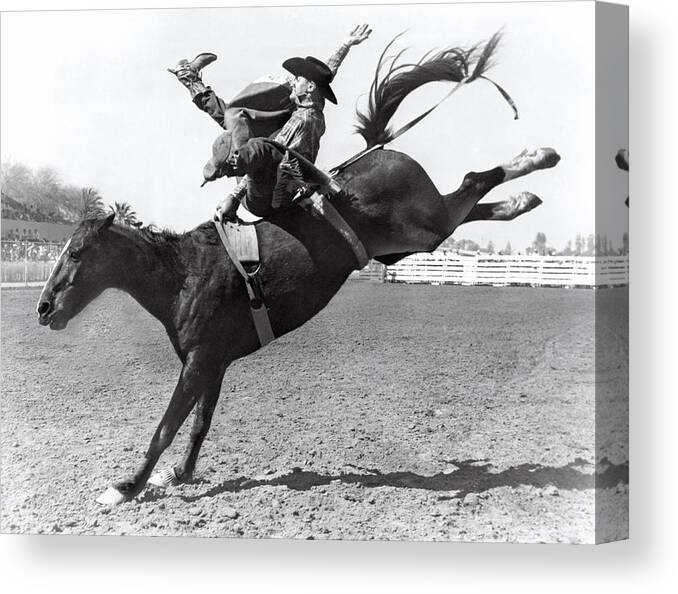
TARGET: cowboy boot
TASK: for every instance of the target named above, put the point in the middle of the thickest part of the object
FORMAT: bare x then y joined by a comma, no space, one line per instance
188,73
289,180
202,60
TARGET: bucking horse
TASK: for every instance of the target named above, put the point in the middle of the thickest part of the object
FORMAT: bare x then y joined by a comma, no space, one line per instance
189,284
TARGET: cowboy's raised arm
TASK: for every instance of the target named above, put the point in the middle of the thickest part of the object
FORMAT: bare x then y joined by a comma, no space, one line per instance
358,35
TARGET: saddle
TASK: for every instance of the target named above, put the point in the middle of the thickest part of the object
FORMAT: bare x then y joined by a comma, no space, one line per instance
316,189
241,244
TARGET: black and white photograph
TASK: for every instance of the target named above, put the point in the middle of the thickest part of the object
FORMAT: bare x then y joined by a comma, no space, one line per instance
350,272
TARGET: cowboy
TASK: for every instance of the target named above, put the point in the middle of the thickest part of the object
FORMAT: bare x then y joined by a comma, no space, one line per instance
270,170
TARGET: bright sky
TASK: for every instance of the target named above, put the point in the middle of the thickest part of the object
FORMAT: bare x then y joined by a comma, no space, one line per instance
87,92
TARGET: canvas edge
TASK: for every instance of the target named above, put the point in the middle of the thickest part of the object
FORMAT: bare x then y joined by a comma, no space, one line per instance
611,86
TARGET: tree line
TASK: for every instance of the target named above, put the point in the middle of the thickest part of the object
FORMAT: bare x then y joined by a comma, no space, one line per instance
39,195
582,245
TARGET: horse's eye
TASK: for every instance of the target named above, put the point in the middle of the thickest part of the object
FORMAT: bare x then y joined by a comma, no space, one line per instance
75,256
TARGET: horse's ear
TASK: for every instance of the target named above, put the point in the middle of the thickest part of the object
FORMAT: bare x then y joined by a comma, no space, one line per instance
104,223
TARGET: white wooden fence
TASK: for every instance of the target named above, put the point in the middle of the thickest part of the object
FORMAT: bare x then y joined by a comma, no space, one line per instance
542,271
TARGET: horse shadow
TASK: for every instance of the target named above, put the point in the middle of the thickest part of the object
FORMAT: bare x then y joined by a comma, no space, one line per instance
470,476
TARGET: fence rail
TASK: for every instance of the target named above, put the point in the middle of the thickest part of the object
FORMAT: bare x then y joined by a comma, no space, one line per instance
25,263
546,271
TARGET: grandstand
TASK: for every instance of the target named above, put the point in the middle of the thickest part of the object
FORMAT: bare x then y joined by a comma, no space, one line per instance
19,230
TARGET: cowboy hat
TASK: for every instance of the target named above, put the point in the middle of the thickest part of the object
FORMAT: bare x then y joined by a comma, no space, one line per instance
314,70
221,151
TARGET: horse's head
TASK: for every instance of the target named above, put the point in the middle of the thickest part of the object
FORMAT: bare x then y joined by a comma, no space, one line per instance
77,277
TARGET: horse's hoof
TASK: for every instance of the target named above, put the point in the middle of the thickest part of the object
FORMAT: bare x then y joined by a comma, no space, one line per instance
515,206
164,478
526,163
526,201
547,157
111,497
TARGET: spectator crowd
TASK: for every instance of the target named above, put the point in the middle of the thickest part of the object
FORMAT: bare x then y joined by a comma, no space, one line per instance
31,251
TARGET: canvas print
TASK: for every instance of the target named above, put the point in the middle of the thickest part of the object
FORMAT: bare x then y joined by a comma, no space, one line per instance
344,272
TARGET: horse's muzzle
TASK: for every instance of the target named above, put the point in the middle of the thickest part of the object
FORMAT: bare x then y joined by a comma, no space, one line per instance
44,308
46,313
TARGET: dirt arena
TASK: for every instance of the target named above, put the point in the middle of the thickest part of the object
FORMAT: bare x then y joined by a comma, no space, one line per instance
399,412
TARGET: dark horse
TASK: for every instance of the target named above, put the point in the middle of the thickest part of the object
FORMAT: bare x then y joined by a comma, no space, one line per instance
187,282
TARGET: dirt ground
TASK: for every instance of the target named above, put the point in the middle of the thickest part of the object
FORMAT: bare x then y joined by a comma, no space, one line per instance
400,412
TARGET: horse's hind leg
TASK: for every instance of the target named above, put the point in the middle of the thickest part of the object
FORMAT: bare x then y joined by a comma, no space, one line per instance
460,203
506,210
200,375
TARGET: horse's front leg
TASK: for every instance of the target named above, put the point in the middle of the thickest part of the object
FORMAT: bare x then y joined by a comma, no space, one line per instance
183,472
459,204
200,375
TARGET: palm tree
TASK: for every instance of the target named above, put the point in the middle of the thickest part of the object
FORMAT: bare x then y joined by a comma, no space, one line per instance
92,206
124,215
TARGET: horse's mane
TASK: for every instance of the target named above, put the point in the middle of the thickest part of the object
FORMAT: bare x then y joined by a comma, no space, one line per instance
389,90
164,244
155,235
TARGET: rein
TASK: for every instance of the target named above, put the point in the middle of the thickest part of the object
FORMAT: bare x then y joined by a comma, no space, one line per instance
319,205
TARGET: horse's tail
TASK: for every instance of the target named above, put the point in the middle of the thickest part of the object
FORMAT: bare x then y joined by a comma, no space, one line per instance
388,91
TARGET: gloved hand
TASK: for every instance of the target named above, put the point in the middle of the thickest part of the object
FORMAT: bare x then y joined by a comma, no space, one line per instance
358,35
226,209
